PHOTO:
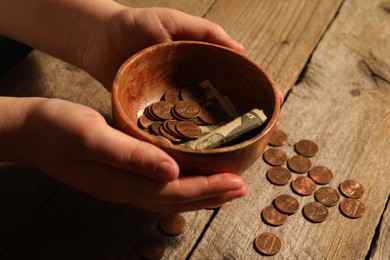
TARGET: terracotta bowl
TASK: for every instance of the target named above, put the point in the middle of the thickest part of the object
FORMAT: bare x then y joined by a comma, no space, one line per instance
146,76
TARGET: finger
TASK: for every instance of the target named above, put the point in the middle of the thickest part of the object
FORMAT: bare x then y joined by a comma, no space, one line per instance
125,152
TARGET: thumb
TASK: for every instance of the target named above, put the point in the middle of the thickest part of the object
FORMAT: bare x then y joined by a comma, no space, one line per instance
128,153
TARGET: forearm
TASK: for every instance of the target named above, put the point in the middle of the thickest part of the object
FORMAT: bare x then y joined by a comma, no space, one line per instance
55,26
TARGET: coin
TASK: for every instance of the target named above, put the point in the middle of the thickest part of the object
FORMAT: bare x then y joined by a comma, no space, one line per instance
299,164
352,189
273,217
352,208
188,129
268,243
279,175
172,224
187,110
321,174
170,127
303,185
306,148
154,127
151,248
164,133
327,196
275,156
194,94
211,114
278,139
172,95
286,204
315,211
148,114
162,110
144,122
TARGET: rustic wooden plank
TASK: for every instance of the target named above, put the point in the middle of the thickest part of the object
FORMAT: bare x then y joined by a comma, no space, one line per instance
381,249
341,103
279,35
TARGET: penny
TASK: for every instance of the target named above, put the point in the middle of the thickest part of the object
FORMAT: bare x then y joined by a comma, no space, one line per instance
327,196
194,94
352,208
352,189
149,114
172,95
321,174
278,139
162,110
286,204
306,148
268,243
275,156
144,122
151,248
315,211
211,114
172,224
299,164
303,185
154,127
170,126
188,129
279,175
187,110
273,217
164,133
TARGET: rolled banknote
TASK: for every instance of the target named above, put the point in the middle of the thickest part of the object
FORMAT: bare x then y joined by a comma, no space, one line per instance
231,131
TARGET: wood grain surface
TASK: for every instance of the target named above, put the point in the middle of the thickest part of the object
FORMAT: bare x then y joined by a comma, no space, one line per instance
340,102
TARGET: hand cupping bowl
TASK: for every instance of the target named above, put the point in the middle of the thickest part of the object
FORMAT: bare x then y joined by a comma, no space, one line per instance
146,76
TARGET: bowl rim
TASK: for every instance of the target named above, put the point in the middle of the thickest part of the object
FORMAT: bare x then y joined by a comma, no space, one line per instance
151,139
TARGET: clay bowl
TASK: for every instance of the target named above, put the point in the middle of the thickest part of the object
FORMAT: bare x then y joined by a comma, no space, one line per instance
147,75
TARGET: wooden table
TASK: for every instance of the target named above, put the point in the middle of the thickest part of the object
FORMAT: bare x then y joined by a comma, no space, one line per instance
332,61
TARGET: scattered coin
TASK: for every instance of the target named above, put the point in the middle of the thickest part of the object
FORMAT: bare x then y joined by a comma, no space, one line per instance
172,95
306,148
279,175
162,110
315,211
327,196
275,156
164,133
321,174
278,139
299,164
303,185
268,243
144,122
286,204
154,127
273,217
151,248
172,224
352,189
188,129
352,208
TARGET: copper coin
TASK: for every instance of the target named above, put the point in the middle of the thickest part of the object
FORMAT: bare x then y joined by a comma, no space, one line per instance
315,211
299,164
194,94
144,122
149,114
154,127
171,127
286,204
303,185
172,224
321,174
188,129
352,189
279,175
352,208
211,114
162,110
168,135
172,95
275,156
327,196
151,248
273,216
187,110
278,139
306,148
268,243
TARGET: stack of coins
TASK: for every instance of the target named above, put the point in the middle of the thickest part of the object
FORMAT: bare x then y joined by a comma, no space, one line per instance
183,114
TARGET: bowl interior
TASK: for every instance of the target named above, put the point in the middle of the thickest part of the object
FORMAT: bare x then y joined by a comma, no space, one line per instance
146,76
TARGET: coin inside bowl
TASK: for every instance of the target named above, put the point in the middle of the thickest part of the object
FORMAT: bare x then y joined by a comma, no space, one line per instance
148,75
